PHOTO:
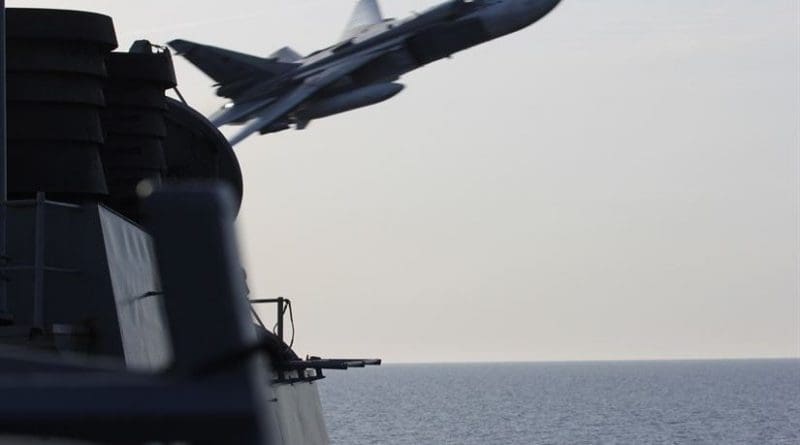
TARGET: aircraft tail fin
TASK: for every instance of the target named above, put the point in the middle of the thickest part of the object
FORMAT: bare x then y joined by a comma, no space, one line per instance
286,54
365,14
225,66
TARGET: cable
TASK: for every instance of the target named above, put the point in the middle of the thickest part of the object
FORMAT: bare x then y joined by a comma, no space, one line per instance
258,319
291,320
180,96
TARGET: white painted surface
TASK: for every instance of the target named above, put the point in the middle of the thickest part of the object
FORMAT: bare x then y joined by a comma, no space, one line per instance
300,414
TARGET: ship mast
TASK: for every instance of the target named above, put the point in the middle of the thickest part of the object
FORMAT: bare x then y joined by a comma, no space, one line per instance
4,314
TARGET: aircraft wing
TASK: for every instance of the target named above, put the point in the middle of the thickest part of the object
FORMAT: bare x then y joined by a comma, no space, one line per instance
274,111
307,88
230,68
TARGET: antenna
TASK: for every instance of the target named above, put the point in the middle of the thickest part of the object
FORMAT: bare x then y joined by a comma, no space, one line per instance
3,174
3,181
4,314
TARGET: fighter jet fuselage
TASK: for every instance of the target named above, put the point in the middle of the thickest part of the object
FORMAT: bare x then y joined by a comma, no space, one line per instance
284,90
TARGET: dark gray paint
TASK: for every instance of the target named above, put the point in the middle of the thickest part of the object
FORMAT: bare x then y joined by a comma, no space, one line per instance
3,173
204,293
137,294
207,313
3,191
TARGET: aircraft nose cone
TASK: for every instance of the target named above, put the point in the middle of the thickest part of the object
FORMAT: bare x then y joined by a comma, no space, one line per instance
543,7
505,17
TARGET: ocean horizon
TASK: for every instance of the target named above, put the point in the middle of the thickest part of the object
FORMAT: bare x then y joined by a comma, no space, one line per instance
612,360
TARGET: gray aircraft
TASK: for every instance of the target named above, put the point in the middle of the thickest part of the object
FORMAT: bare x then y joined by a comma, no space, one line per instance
285,89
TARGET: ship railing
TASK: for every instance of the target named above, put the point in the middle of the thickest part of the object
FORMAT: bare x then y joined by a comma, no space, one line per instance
293,371
318,365
39,267
282,305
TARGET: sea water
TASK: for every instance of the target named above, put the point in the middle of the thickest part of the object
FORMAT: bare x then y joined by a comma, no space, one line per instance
664,402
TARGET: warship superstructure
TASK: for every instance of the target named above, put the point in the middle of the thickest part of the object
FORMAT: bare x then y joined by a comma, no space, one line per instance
124,312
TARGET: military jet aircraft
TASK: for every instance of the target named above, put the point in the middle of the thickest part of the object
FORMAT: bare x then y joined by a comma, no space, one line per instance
286,89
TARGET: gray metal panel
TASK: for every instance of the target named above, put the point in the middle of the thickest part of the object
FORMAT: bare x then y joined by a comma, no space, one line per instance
136,286
75,285
299,412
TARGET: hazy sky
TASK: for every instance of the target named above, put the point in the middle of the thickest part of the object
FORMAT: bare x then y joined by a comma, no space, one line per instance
619,181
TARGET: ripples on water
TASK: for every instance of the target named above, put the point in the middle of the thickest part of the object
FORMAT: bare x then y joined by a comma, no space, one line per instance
715,402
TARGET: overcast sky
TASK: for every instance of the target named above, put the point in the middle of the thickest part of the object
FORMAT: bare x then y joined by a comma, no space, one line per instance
619,181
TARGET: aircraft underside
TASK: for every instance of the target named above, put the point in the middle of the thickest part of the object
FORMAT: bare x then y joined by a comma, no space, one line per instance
284,90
